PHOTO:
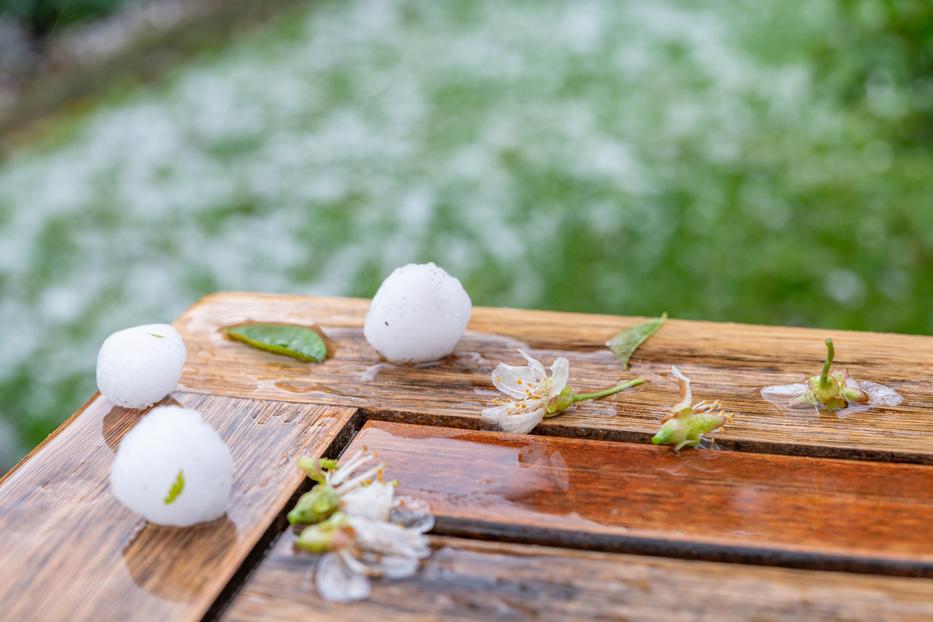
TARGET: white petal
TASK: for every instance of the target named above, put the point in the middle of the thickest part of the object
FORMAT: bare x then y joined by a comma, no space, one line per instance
686,395
373,501
337,583
388,539
395,567
514,381
560,374
536,367
784,390
881,395
521,423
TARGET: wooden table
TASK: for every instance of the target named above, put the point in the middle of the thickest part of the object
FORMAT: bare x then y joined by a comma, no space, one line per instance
797,516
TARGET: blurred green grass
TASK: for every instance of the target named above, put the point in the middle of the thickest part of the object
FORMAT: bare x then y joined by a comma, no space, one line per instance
746,161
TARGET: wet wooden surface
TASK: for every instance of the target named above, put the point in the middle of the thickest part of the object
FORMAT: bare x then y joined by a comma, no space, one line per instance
70,551
730,362
802,511
473,580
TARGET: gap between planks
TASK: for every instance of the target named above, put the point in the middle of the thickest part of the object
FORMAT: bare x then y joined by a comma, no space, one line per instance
552,427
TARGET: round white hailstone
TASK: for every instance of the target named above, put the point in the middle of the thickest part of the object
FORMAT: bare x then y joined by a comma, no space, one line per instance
170,453
419,314
139,366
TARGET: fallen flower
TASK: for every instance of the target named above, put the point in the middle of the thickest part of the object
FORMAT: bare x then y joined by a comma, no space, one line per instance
360,549
687,422
830,391
535,395
354,517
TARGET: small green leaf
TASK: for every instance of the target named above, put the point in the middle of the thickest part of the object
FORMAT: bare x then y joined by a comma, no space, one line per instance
626,342
157,335
298,342
175,490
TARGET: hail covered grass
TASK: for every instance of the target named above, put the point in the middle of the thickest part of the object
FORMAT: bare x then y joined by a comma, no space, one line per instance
595,155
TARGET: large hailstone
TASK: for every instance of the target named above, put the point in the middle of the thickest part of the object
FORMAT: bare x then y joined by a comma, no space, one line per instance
138,366
173,469
419,314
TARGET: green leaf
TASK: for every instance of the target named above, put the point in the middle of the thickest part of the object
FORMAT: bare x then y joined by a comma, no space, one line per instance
299,342
626,342
177,486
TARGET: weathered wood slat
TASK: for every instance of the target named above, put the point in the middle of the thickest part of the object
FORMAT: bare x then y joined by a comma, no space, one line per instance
731,362
474,580
723,505
70,551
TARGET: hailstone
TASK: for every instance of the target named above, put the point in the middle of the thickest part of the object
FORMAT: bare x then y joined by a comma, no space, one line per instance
418,314
173,468
138,366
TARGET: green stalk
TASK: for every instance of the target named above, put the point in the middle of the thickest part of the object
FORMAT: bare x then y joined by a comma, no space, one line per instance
830,353
579,397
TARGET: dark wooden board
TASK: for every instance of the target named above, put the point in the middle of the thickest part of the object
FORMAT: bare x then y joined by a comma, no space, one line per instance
731,362
810,512
472,580
70,551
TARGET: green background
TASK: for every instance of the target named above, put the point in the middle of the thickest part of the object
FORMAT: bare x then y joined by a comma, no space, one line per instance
757,161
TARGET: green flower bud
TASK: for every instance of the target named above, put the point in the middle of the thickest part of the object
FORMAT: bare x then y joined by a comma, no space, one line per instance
324,536
314,506
686,430
315,467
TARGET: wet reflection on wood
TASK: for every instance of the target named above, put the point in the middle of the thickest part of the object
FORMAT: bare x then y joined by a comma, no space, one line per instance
710,504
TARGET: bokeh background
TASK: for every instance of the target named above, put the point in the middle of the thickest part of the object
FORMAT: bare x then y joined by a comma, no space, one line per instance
754,161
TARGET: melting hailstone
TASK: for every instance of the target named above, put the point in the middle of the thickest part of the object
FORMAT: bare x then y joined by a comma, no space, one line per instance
419,314
138,366
173,468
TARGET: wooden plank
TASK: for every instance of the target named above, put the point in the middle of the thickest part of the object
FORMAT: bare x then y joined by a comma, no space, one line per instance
70,551
731,362
471,580
723,505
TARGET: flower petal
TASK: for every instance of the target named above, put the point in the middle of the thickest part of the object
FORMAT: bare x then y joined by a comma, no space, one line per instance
560,374
535,366
686,395
338,583
373,501
394,567
509,420
515,381
388,539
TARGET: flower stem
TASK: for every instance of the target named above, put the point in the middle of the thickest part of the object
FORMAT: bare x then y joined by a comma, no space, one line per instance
830,354
579,397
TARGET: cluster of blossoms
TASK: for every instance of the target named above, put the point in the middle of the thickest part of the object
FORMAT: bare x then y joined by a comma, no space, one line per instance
363,529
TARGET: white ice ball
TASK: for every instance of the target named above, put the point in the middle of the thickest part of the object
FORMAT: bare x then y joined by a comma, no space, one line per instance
168,441
139,366
419,314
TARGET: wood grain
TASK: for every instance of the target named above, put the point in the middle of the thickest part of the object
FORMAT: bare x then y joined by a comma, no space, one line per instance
70,551
731,362
723,505
470,580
